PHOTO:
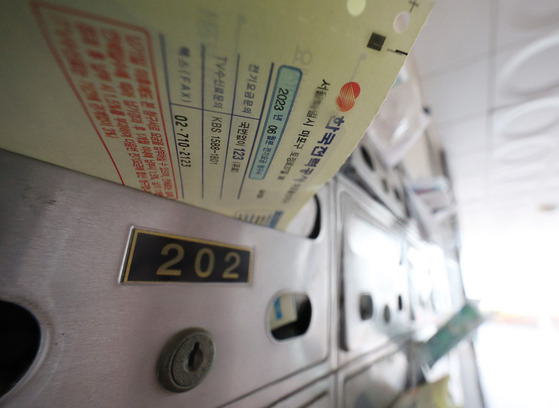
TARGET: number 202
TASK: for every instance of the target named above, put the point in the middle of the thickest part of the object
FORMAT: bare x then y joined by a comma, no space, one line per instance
165,268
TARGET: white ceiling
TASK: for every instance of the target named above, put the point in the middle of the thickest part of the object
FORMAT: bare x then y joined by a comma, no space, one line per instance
489,70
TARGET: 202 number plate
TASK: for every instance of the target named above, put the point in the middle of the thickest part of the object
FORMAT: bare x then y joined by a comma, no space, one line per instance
157,257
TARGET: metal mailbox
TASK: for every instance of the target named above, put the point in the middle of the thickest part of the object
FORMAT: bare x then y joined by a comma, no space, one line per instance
66,246
377,384
366,167
320,393
374,277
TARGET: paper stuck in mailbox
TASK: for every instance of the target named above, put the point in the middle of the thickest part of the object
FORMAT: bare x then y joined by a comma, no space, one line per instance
244,108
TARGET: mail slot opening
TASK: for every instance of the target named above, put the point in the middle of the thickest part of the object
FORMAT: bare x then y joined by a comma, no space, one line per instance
307,222
386,314
20,337
367,158
397,195
315,232
366,306
289,315
385,185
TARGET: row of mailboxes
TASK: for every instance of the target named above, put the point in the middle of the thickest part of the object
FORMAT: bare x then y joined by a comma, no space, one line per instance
143,301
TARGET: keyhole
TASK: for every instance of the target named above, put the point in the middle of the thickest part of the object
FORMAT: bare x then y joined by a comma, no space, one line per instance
195,358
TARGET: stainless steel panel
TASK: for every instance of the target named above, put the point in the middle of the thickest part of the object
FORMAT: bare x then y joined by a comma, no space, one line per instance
430,291
372,245
62,243
320,393
421,284
376,385
368,169
469,375
456,286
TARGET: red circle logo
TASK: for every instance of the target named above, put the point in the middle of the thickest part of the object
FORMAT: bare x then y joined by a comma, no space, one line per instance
348,94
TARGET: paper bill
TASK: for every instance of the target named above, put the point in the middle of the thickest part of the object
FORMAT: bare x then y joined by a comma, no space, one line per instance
242,107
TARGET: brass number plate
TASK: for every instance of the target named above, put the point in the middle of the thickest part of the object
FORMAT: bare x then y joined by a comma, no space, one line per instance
157,257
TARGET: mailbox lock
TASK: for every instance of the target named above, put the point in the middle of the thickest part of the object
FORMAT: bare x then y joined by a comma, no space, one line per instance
185,360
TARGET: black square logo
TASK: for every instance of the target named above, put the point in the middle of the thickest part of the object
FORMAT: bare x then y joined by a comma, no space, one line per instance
376,41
